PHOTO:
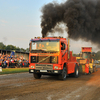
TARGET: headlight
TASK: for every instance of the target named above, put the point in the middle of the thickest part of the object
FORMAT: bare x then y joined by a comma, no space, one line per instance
56,67
32,67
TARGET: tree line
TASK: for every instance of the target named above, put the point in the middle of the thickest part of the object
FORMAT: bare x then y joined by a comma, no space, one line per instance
12,47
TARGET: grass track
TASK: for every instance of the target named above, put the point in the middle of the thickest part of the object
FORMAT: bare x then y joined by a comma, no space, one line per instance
13,70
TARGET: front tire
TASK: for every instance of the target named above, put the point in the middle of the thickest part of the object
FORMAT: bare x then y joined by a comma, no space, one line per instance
63,75
37,76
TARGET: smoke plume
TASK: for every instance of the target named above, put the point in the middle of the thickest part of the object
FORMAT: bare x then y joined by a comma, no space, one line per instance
81,17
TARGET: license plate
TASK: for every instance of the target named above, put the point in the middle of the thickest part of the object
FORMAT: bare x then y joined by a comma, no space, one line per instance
43,70
32,70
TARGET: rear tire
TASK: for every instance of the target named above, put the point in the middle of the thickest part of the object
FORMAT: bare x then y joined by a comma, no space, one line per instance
37,76
63,75
76,73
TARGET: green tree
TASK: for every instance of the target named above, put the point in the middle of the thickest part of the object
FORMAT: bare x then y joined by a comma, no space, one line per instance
17,49
22,50
10,47
2,46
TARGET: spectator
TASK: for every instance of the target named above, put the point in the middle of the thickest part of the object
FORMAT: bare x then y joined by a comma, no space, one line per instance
0,61
4,63
12,61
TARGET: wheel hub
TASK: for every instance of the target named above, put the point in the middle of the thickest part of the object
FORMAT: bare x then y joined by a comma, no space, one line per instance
77,72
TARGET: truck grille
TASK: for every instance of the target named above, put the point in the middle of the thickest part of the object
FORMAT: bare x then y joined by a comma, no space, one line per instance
43,67
44,59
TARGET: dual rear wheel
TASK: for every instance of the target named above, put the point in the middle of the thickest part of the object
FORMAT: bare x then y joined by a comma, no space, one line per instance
76,73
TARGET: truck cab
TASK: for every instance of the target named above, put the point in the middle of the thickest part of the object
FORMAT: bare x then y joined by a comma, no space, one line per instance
51,56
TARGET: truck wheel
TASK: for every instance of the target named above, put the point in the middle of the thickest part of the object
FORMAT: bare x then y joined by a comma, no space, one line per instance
76,73
37,76
63,75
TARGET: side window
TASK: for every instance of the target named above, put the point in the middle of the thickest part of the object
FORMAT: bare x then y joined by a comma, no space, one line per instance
63,46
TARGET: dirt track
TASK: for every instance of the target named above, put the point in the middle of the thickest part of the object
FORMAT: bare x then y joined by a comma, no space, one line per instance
24,87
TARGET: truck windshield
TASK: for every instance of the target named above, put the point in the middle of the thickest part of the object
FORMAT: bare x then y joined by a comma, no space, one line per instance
86,55
45,47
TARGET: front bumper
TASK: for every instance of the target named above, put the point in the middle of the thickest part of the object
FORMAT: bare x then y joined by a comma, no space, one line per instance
45,72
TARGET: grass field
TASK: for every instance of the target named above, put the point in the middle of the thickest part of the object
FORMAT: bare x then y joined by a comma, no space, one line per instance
13,70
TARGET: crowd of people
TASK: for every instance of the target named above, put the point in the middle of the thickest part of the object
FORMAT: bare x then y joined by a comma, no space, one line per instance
12,61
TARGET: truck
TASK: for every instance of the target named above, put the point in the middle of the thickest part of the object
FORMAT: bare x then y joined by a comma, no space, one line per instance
51,56
86,63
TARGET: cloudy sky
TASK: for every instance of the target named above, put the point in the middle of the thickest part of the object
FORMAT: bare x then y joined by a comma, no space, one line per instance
20,21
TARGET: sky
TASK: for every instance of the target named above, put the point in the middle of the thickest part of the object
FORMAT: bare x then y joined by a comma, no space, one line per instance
20,21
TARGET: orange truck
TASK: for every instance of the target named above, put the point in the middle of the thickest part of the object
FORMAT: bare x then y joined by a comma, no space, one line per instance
51,56
86,64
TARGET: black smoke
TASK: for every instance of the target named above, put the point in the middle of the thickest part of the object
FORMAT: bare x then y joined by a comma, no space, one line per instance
81,17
